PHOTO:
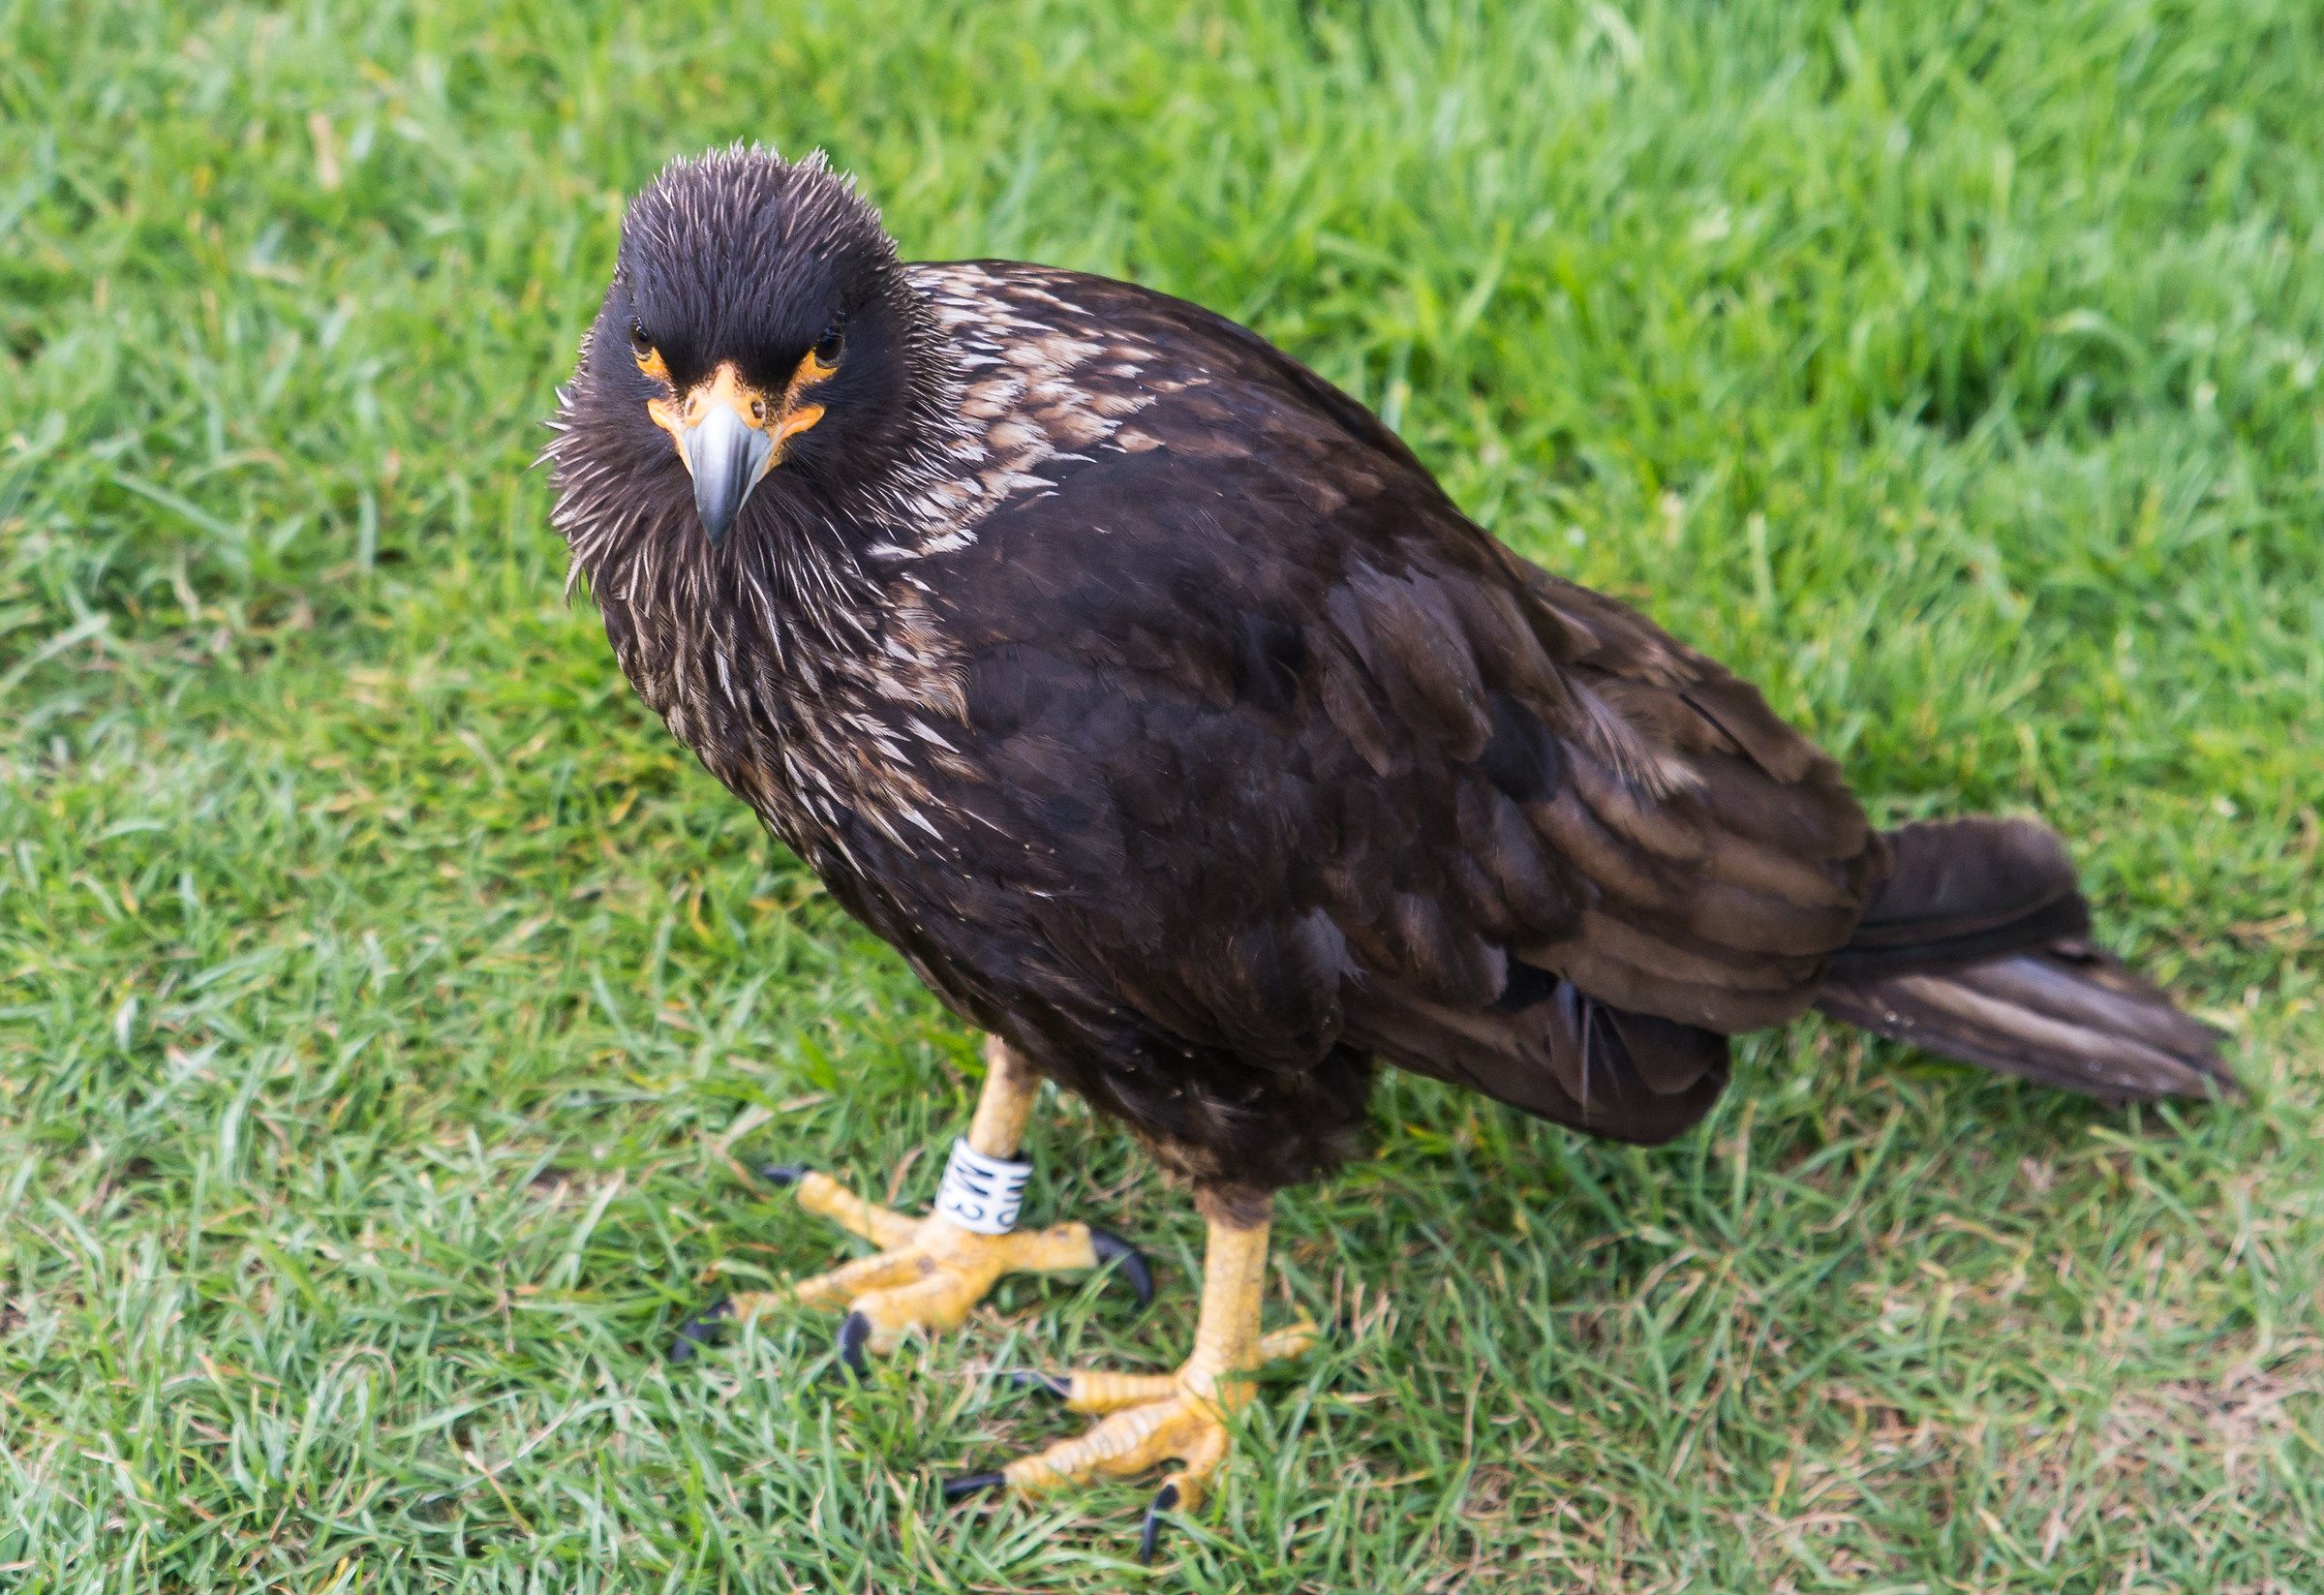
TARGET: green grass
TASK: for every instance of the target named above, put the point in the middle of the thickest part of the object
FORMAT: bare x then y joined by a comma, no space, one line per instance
387,1004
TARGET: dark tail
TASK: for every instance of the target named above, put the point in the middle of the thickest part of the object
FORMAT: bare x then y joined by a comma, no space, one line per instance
1975,948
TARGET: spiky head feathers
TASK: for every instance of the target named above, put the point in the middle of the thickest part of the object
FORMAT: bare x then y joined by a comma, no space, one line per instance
769,287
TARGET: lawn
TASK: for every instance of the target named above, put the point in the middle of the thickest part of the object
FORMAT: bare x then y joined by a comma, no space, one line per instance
389,1014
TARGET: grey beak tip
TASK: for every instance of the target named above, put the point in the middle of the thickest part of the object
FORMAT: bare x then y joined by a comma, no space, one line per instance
727,458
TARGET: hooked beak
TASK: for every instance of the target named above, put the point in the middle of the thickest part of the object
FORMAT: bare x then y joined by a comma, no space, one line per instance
727,456
729,436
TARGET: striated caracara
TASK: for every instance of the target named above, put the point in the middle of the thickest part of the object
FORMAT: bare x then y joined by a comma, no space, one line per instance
1150,696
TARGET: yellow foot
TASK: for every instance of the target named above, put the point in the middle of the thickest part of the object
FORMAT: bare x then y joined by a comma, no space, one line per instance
927,1273
1144,1419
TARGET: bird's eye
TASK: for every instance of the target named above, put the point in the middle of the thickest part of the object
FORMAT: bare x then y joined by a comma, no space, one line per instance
827,346
637,337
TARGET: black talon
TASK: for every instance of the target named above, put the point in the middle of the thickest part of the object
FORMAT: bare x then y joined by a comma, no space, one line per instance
1111,1247
1165,1498
783,1173
852,1335
700,1330
1055,1384
971,1483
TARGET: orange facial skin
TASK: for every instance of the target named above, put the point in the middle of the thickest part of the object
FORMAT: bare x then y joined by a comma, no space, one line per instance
781,418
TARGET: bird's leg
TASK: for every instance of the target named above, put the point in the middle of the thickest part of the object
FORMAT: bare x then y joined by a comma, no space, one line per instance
929,1272
1148,1417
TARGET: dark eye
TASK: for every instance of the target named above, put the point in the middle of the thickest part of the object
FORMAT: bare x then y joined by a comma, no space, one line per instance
827,346
637,337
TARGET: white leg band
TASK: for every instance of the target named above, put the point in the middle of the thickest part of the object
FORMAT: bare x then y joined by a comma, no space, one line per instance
982,1193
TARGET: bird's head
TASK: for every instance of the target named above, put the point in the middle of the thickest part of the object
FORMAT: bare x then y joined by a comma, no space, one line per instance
760,362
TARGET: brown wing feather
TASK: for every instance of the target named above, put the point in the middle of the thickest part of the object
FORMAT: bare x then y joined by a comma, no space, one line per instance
1709,862
1421,799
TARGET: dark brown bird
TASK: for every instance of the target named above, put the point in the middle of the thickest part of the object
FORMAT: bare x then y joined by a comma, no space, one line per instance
1150,696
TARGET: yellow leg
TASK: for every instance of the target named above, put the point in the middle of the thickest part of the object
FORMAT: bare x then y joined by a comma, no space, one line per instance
931,1272
1152,1418
997,1127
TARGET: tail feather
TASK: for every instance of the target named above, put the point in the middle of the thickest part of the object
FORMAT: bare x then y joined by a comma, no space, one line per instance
1974,949
1962,889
